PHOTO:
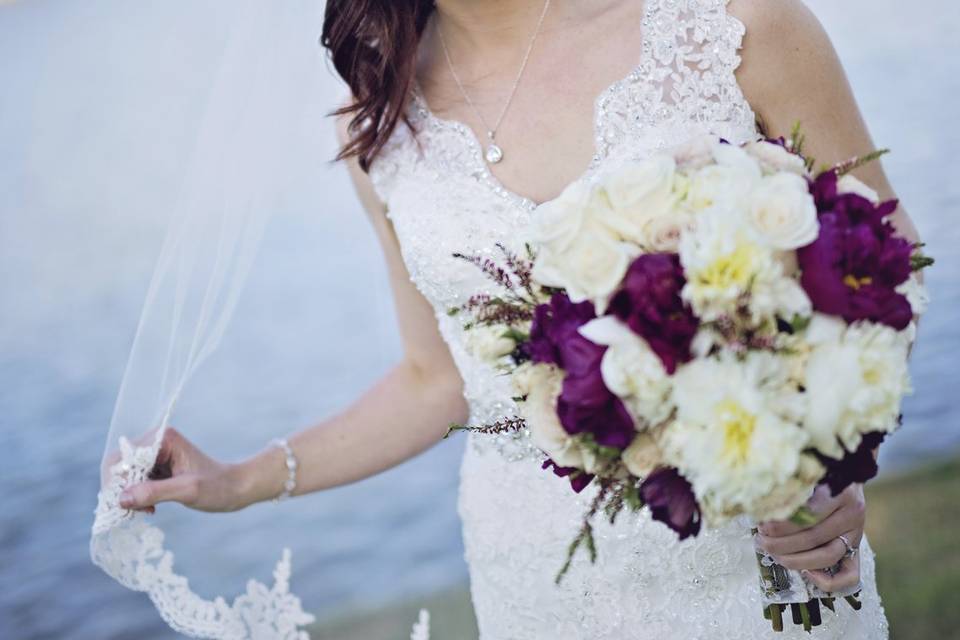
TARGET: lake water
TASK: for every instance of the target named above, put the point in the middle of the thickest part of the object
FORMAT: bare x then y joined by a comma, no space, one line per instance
82,207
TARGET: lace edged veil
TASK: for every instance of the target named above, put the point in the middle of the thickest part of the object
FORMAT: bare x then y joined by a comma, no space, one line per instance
262,96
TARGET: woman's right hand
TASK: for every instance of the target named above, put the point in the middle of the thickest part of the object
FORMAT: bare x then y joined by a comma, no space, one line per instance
184,474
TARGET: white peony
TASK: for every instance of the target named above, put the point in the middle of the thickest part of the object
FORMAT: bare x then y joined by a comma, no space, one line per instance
723,261
736,436
638,192
774,158
488,343
783,213
848,183
541,384
855,379
632,371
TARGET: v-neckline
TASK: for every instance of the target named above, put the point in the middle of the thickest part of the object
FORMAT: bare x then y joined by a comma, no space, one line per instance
482,170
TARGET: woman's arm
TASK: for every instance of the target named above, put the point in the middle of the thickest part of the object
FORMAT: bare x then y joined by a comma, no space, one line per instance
405,412
790,73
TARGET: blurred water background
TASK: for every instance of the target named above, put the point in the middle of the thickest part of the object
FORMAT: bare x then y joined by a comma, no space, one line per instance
82,212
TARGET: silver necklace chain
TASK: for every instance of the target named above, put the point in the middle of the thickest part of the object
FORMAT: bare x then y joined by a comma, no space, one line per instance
493,152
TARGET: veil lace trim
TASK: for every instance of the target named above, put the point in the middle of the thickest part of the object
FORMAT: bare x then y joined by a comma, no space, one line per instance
131,551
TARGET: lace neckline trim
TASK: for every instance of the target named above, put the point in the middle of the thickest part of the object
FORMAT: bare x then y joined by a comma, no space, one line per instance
478,164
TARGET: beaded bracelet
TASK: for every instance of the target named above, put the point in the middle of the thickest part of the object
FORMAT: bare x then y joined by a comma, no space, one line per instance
291,462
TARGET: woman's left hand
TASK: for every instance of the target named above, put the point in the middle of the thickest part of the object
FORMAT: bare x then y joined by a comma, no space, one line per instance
815,548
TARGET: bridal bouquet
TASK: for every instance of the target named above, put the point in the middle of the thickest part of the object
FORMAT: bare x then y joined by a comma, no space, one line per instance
708,333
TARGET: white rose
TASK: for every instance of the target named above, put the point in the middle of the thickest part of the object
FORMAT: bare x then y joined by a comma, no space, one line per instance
591,268
541,384
632,371
488,343
663,233
773,157
850,184
643,455
558,221
727,183
783,212
636,192
695,153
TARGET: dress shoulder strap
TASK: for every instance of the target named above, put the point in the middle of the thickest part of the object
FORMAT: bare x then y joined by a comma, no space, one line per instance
685,80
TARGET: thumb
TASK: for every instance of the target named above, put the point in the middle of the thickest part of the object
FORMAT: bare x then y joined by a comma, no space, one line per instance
146,494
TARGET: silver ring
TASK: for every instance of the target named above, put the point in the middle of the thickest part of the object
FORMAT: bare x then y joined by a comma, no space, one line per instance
851,550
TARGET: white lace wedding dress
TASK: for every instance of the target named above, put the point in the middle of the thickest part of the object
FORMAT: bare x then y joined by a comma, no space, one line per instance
517,518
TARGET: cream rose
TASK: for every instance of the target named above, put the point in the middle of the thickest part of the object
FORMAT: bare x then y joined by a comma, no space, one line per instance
773,157
643,455
488,343
727,183
637,192
663,233
558,221
783,212
590,268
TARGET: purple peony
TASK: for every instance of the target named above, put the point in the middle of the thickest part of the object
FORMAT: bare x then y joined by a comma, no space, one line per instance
585,404
578,479
854,266
671,501
649,303
554,324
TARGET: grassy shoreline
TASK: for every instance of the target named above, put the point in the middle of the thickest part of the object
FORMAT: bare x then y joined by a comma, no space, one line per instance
913,525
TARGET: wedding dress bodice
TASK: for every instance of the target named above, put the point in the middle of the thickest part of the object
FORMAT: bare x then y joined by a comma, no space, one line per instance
518,519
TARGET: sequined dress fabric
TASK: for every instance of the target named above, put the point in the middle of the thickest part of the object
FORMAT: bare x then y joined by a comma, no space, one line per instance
517,518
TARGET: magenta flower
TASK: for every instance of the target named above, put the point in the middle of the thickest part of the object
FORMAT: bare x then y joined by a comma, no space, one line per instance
855,466
670,498
854,266
554,324
578,479
585,404
649,302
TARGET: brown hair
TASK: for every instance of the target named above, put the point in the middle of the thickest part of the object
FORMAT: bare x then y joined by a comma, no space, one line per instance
373,46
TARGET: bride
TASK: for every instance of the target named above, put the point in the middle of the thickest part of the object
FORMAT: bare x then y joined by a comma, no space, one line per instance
464,116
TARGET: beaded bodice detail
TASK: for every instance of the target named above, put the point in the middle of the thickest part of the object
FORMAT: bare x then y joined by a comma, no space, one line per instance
442,198
518,519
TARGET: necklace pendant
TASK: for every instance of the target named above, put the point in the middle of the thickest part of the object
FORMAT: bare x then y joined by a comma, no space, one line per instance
493,154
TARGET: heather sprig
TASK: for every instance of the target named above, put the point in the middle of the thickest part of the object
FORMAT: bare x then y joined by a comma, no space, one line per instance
521,268
504,425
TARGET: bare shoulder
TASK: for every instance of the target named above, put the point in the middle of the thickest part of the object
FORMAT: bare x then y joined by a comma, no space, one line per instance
362,183
790,72
784,40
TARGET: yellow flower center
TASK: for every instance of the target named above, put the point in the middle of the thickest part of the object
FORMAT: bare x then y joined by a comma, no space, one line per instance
855,283
734,269
738,426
